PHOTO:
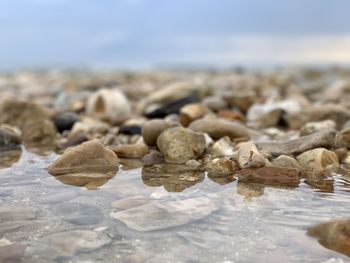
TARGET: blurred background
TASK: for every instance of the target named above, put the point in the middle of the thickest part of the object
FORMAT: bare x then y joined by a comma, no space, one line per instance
143,34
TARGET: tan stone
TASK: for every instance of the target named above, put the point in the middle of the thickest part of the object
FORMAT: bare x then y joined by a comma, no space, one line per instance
319,158
191,112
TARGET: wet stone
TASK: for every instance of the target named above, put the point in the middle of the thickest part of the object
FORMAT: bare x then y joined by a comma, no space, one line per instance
158,216
78,214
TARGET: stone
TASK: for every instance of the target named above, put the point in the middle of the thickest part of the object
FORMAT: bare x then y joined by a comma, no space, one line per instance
78,214
109,105
137,150
69,243
85,179
130,202
174,178
9,157
215,103
248,156
158,216
222,147
342,138
220,167
178,145
272,176
152,129
90,157
153,157
325,138
285,161
191,112
319,159
12,253
130,129
65,121
172,107
193,164
15,213
41,132
222,179
21,113
312,127
231,115
218,128
334,235
10,137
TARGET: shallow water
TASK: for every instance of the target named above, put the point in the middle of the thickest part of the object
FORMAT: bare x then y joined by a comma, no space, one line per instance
209,221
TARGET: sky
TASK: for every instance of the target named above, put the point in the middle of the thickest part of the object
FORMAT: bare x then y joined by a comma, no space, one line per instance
146,33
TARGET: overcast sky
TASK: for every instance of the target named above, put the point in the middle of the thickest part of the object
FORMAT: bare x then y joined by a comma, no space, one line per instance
139,33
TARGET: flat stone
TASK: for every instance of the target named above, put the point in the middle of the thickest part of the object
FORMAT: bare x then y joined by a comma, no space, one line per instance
158,216
79,214
130,202
15,213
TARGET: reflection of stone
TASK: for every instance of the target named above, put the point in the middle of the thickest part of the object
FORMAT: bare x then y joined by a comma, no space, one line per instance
273,176
222,179
320,180
333,235
250,190
174,178
88,180
8,158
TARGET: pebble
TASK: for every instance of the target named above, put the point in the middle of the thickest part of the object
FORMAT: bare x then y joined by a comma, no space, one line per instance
312,127
218,128
178,145
319,159
137,150
65,121
41,132
174,213
108,104
191,112
78,214
285,161
249,156
222,147
220,167
152,129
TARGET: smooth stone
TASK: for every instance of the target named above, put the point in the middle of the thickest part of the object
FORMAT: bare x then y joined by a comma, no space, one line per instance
130,202
325,138
319,159
249,156
222,147
10,137
130,129
137,150
191,112
218,128
172,107
12,253
41,132
65,121
69,243
173,177
178,145
158,216
153,157
21,113
219,167
152,129
15,213
215,103
231,115
89,157
265,115
110,105
312,127
334,235
284,161
56,197
78,214
272,176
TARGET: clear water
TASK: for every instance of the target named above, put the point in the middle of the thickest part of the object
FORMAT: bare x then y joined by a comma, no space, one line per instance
246,223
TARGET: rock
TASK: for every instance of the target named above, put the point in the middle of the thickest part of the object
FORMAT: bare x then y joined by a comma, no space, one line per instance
109,105
71,101
90,158
222,147
130,129
193,164
174,213
78,214
312,127
334,235
174,178
154,157
12,253
220,167
242,100
342,138
249,156
10,137
21,113
152,129
319,159
137,150
15,213
324,138
191,112
65,121
172,107
284,161
130,202
74,140
218,128
69,243
215,103
178,145
41,132
272,176
231,115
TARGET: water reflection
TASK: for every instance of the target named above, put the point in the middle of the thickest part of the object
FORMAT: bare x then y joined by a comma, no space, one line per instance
10,157
90,181
250,190
222,179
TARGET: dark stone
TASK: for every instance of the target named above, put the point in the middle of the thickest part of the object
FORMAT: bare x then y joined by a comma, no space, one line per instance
66,120
130,129
172,107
